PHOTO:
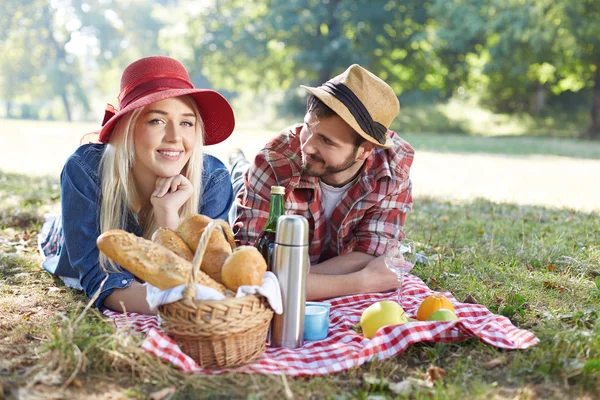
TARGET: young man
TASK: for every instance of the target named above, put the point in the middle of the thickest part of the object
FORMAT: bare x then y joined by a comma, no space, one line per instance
345,172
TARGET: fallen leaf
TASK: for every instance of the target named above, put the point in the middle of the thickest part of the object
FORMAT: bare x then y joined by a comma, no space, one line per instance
550,285
433,283
27,315
551,267
163,394
435,373
78,383
470,300
409,386
496,362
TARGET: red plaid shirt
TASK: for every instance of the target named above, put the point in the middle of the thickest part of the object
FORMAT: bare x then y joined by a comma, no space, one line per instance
372,211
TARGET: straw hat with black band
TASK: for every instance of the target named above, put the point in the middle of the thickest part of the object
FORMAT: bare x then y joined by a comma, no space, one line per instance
365,102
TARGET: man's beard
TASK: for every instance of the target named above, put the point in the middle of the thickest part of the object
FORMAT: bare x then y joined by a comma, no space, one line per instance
329,169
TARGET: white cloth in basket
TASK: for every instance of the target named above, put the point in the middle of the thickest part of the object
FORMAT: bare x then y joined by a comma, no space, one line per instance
269,289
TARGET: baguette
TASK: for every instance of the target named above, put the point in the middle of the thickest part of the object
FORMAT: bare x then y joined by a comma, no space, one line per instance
172,241
217,248
150,261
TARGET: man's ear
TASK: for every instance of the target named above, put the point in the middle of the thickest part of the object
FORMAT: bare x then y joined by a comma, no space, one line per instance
365,150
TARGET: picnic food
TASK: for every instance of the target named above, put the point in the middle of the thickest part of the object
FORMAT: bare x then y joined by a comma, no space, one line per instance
172,241
443,314
217,249
245,266
431,304
150,261
381,314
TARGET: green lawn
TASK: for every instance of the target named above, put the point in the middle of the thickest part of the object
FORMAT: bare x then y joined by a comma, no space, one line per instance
513,145
538,266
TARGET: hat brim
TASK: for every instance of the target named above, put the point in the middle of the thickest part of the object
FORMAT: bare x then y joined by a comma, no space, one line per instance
215,111
340,109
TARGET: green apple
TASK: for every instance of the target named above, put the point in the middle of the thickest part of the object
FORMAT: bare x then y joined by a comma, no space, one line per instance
381,314
443,314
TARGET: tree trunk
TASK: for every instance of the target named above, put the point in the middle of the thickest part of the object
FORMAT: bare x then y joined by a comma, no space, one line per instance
334,32
538,100
61,58
594,129
66,104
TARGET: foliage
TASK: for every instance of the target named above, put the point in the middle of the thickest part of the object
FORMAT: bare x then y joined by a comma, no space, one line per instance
512,55
49,48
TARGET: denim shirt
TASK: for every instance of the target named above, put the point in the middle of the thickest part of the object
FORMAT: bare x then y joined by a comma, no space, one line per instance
80,188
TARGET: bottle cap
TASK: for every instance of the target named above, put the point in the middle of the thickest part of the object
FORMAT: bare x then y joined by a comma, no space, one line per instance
292,230
277,190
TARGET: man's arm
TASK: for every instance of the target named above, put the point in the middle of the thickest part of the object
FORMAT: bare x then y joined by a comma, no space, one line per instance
345,264
373,278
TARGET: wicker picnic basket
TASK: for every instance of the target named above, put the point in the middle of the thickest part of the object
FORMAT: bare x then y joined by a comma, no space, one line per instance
217,334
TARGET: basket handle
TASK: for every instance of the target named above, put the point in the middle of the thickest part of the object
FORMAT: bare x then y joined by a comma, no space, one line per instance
189,292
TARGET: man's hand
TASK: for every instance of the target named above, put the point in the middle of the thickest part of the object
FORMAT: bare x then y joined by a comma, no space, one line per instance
168,197
376,277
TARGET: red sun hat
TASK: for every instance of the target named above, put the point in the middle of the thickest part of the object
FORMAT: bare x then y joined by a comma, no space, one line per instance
157,78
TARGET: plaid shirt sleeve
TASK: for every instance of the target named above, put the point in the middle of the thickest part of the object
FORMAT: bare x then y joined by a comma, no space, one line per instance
253,200
385,219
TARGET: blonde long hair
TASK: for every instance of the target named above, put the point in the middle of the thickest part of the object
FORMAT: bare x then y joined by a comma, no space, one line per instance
119,196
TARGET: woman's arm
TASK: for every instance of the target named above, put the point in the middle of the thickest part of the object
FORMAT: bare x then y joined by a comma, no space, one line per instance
80,209
217,192
129,299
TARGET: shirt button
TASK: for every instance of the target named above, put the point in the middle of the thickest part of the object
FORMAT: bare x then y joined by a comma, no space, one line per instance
124,281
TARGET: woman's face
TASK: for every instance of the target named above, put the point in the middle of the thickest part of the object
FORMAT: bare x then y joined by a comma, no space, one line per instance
164,139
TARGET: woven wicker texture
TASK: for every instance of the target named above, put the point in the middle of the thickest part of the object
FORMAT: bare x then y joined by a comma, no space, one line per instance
217,334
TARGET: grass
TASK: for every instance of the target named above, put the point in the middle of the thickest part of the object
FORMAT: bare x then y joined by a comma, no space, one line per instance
535,265
513,145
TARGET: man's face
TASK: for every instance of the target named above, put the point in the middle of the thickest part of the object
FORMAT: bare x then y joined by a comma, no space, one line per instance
328,147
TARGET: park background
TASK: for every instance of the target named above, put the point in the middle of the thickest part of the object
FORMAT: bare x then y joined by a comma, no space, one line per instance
500,99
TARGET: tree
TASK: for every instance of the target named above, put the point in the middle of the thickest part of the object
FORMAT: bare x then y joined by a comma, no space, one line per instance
527,48
581,18
54,49
276,44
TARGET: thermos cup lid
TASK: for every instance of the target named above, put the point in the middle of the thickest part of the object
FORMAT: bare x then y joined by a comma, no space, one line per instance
292,230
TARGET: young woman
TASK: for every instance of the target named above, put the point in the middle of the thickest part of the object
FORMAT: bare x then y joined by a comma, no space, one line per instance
148,171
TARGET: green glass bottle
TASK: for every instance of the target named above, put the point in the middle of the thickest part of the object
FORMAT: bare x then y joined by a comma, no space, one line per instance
266,239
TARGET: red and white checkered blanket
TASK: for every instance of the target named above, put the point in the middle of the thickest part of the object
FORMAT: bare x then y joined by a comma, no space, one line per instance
344,348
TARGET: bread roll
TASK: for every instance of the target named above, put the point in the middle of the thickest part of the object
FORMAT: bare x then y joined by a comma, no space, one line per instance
150,261
172,241
217,249
245,266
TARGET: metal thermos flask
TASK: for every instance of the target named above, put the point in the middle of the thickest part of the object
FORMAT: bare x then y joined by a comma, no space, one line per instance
290,265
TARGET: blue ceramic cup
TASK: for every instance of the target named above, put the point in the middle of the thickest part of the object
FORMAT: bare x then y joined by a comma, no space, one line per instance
316,321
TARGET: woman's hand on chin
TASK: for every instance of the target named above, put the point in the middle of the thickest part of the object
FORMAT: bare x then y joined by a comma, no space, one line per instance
168,197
